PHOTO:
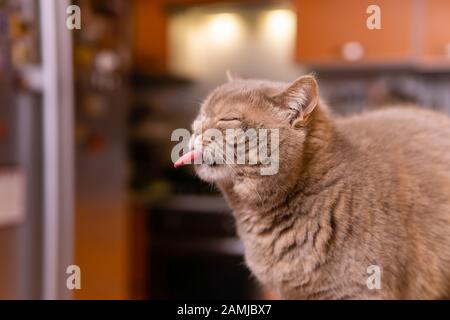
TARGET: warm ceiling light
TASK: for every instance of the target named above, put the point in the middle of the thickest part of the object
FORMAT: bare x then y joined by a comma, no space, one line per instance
223,27
280,22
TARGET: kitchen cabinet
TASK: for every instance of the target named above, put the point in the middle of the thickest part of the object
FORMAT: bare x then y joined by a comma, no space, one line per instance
413,33
435,34
149,36
336,32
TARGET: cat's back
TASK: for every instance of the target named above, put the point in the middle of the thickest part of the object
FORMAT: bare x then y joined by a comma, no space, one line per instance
411,133
399,160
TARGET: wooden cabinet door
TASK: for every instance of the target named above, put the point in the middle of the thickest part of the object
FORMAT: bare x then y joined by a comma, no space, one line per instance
436,31
327,27
149,33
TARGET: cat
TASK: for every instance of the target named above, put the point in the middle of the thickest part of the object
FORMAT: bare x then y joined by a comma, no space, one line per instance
353,195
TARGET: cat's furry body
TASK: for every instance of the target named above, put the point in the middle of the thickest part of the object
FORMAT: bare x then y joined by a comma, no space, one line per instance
372,189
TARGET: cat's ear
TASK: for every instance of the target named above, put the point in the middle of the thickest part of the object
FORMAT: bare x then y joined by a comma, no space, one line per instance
300,98
231,76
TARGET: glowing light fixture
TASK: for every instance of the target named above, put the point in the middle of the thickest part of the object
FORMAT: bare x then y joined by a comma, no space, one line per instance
279,23
224,28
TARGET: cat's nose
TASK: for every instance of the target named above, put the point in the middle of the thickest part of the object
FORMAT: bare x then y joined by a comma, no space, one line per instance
211,138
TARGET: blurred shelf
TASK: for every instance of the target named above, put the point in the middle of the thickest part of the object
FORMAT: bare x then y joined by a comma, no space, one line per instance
195,203
228,246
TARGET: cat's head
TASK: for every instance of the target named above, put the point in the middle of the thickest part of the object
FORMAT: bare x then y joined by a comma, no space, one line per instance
275,114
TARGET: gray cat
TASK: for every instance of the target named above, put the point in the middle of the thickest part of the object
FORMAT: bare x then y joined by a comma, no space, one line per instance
352,195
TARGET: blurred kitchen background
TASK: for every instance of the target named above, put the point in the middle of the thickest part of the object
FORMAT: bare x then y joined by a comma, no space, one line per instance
86,117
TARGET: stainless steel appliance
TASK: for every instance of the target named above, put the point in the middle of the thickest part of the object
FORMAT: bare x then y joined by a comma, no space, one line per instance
35,149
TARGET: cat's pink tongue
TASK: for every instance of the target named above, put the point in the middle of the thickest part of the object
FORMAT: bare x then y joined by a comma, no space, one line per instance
188,158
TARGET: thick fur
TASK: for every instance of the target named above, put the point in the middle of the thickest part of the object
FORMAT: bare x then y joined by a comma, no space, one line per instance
372,189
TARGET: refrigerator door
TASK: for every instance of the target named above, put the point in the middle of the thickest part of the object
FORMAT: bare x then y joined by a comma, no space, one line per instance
36,146
21,238
20,177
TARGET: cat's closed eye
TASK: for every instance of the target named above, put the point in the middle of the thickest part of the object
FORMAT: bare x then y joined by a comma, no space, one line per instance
229,119
231,122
